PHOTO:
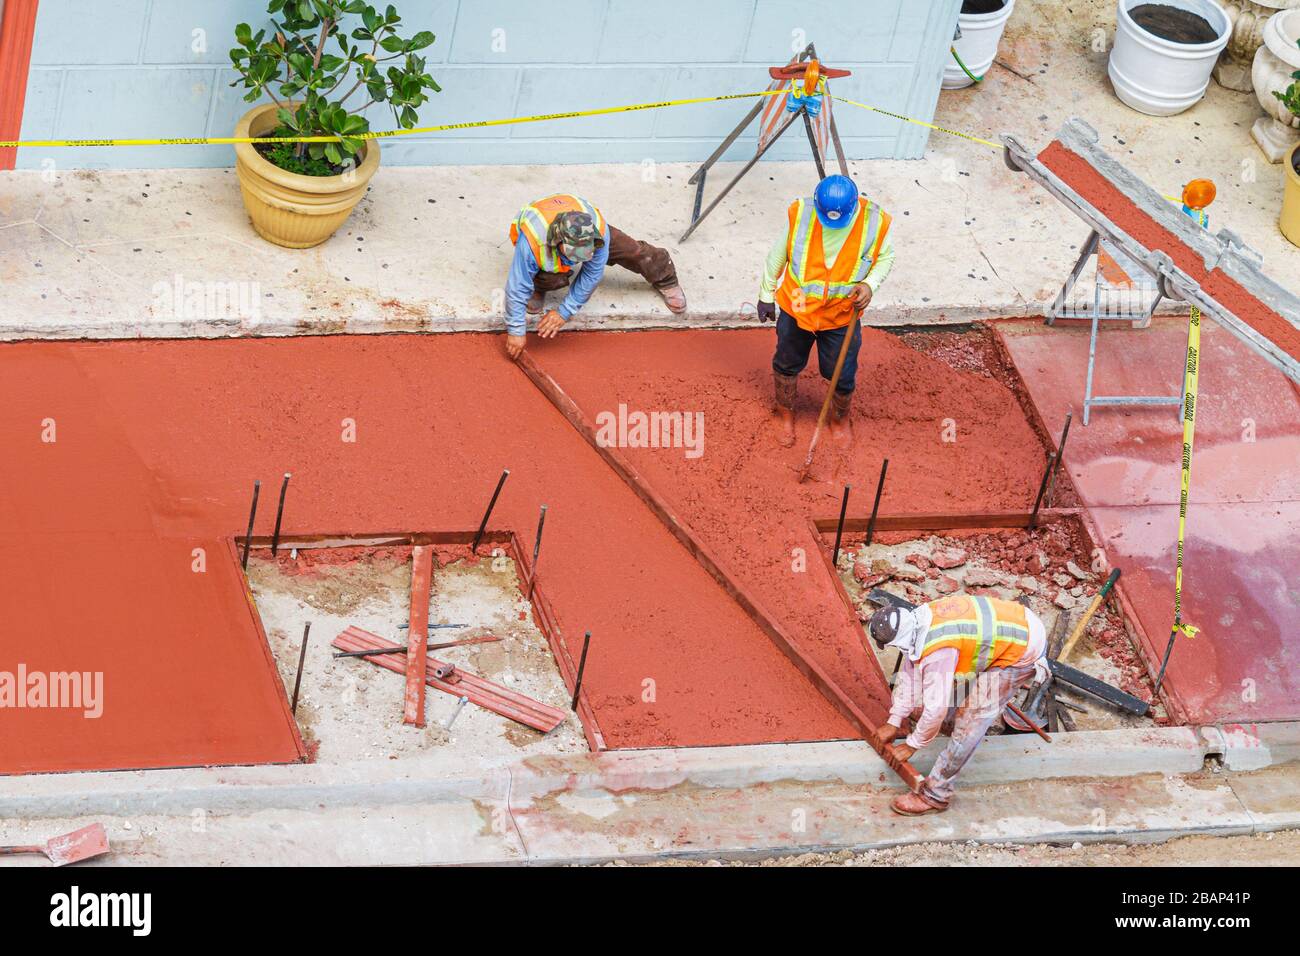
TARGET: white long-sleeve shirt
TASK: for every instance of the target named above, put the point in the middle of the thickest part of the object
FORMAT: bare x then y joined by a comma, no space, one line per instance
929,683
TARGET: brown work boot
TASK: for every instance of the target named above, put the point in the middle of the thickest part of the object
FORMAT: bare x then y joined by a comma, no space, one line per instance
536,302
916,804
840,419
674,298
786,386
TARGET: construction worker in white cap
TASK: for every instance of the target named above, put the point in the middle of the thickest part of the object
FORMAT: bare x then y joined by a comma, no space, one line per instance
819,278
963,652
566,240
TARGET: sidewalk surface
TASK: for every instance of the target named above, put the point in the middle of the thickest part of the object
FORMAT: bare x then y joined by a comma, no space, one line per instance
101,254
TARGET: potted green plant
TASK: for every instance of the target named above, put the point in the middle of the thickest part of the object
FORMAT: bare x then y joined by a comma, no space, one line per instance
1289,222
320,78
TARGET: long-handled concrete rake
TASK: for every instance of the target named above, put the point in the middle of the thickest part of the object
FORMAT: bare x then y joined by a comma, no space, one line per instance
830,393
71,847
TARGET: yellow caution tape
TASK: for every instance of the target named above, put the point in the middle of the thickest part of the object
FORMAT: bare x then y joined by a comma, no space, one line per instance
909,119
477,124
449,127
1190,380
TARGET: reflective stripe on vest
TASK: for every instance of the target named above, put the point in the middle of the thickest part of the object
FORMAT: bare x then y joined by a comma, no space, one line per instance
535,223
985,631
802,246
818,295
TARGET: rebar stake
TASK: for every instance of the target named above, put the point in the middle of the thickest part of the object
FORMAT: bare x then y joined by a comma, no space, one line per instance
1042,489
487,514
1060,457
279,513
839,529
537,549
875,508
252,513
582,665
302,657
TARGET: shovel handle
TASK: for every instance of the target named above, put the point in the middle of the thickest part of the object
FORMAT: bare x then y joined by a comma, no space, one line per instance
849,331
14,850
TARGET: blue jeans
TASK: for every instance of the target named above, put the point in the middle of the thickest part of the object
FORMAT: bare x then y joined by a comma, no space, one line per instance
794,345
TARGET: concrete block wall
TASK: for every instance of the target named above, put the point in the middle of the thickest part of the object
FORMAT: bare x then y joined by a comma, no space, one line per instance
151,68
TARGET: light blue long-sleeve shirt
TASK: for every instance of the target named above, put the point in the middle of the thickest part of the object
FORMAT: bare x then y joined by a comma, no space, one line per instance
519,284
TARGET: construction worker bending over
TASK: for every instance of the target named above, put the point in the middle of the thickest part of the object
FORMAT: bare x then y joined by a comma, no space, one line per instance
974,652
832,260
566,235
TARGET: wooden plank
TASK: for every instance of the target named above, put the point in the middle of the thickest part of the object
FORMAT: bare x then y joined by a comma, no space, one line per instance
417,643
943,522
544,618
483,692
757,613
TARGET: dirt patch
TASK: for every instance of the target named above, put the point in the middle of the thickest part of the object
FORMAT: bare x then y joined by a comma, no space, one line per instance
350,709
1173,23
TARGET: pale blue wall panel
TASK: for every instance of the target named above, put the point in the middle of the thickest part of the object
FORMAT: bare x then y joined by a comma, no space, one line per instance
131,68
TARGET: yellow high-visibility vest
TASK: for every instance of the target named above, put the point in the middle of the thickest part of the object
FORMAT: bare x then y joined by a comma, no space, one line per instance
817,295
987,632
535,219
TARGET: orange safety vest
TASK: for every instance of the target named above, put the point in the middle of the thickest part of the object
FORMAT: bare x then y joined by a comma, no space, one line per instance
987,632
818,296
535,219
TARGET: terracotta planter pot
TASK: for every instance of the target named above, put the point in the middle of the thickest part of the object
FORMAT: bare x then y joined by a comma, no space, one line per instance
290,209
1289,222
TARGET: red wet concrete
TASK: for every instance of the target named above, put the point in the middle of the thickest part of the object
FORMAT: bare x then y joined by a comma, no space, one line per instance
1108,199
741,497
157,445
1242,559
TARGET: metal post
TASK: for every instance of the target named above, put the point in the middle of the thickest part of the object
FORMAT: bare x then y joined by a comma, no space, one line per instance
279,513
812,142
875,508
1042,489
252,513
839,529
487,514
302,657
1060,456
582,665
1169,650
537,549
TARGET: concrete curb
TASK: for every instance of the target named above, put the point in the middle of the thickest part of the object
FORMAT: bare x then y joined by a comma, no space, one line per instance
1173,750
374,323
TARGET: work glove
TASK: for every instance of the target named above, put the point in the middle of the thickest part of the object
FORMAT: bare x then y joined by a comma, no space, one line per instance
767,311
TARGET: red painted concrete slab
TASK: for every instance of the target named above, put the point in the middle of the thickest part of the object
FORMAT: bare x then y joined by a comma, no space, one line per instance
1243,551
157,445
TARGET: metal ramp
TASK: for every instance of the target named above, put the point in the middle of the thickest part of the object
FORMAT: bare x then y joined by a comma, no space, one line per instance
1217,273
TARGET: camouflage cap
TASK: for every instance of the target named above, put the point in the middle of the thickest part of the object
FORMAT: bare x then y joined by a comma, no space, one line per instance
574,233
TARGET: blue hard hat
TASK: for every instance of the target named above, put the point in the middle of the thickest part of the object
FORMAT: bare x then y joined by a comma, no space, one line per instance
836,200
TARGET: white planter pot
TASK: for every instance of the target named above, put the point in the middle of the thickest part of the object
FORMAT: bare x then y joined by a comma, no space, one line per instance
1157,76
1233,71
980,35
1275,61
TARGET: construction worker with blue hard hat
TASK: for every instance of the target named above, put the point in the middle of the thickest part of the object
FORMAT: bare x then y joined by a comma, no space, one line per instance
819,278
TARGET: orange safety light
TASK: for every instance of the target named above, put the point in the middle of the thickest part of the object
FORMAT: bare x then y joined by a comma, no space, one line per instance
811,73
1198,194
